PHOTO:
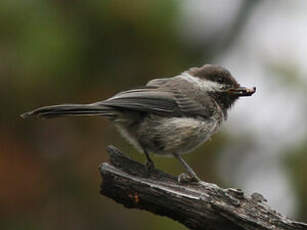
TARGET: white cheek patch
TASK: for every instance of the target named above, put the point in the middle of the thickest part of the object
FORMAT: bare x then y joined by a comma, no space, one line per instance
202,83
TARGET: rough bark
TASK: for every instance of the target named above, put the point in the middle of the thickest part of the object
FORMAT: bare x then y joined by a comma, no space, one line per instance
197,206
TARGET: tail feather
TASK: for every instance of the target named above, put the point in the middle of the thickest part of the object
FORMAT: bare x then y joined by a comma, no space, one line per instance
69,110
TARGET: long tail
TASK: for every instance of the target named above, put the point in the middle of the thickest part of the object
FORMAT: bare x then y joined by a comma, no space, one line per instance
69,110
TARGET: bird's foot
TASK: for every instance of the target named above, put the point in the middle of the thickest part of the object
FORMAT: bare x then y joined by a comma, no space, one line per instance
150,166
184,178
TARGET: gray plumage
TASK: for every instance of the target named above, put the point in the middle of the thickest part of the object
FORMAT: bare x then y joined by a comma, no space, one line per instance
168,116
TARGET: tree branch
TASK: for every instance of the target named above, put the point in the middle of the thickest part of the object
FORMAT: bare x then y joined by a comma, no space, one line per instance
204,206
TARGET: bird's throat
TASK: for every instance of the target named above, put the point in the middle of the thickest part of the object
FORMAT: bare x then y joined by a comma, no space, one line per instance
224,100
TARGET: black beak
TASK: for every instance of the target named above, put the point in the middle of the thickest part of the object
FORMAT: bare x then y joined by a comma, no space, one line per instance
242,91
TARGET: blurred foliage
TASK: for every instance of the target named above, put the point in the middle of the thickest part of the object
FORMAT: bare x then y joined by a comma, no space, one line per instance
54,51
295,162
288,74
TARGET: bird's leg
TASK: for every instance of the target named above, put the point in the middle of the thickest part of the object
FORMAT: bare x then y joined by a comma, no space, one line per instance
184,178
149,163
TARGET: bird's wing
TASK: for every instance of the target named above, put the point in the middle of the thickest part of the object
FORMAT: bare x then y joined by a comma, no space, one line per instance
143,100
157,99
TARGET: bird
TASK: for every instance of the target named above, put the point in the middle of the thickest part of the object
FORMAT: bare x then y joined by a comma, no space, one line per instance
168,116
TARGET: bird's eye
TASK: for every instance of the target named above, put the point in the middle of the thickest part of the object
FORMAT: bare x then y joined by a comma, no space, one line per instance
220,80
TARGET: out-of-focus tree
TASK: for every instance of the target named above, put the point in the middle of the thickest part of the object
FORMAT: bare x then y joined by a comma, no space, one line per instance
80,51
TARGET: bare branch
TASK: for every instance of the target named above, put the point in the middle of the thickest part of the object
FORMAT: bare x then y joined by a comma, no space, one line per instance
204,206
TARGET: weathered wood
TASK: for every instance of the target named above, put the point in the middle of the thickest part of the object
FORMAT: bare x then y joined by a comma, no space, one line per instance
197,206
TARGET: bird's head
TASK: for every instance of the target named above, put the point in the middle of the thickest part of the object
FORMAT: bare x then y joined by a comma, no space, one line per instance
220,84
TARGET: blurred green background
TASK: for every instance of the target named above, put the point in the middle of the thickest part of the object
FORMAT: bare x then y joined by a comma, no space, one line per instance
54,52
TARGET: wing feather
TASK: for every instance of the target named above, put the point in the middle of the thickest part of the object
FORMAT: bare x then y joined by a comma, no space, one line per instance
145,100
157,98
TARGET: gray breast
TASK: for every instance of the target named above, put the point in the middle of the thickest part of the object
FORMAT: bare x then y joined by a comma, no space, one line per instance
165,136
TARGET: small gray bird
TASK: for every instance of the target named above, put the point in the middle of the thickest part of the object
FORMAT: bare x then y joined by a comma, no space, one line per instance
168,116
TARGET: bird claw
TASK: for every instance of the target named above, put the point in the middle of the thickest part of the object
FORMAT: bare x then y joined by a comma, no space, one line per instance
184,178
149,167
